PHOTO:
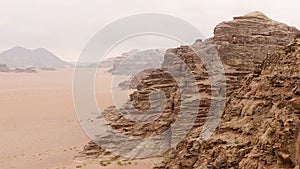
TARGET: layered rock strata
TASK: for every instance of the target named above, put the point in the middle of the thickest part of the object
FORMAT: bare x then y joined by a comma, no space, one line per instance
261,124
242,45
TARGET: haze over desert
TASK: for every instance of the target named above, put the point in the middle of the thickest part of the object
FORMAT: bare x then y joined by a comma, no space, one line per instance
149,84
39,127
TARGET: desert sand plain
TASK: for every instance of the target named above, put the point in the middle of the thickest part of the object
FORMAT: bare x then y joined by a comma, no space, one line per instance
39,127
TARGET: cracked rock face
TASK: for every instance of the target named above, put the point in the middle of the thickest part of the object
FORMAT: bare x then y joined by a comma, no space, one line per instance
261,124
244,43
243,46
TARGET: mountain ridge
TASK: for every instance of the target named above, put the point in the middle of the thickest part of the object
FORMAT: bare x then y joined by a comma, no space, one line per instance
22,57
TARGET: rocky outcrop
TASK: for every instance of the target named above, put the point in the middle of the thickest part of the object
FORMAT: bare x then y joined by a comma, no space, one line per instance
243,45
261,124
93,151
246,41
4,68
107,63
135,80
131,63
117,61
48,68
24,70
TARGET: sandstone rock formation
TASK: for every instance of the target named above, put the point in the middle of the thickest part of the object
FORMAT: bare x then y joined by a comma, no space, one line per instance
261,124
117,61
246,41
243,46
107,63
135,61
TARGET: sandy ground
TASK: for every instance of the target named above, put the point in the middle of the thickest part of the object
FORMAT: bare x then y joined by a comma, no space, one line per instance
39,128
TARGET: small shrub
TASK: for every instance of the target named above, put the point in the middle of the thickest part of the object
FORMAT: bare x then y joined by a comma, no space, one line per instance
120,163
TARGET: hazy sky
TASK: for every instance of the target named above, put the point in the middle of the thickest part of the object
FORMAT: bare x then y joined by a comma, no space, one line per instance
64,26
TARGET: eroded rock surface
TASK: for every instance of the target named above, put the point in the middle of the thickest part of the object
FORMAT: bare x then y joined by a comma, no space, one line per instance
260,126
243,46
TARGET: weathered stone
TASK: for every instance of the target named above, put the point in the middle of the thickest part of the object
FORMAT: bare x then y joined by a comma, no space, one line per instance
271,136
257,81
257,123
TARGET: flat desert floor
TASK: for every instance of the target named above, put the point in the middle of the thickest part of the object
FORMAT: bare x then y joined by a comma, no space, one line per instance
39,127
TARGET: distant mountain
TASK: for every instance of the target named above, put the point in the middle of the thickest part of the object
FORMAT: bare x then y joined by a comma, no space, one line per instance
22,57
